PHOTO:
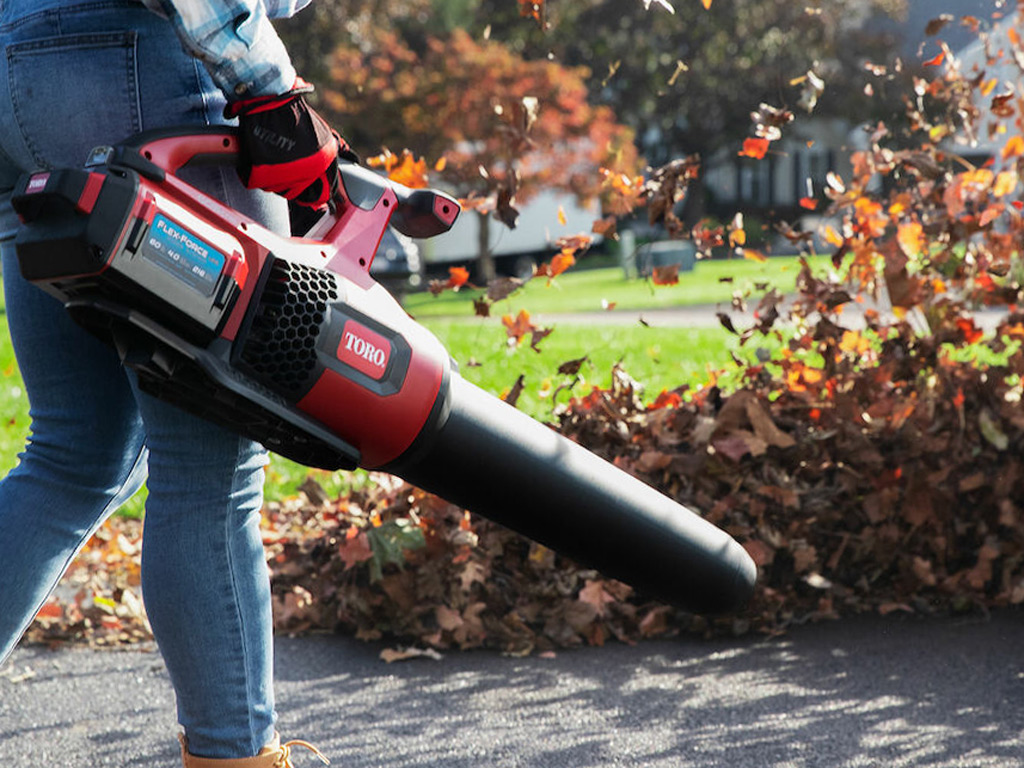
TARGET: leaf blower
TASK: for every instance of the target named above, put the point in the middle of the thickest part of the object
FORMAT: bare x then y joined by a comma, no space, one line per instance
289,341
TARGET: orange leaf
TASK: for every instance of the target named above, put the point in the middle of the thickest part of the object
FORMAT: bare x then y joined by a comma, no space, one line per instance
707,4
1014,147
935,61
911,238
51,610
561,216
1006,182
809,203
531,9
457,277
752,255
561,262
518,326
755,148
410,171
441,164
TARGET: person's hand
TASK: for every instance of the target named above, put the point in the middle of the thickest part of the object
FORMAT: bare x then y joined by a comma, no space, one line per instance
287,148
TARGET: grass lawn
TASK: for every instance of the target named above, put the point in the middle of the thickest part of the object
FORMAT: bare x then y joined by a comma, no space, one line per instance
578,290
657,358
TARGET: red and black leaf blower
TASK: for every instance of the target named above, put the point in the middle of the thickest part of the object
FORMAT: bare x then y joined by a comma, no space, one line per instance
288,340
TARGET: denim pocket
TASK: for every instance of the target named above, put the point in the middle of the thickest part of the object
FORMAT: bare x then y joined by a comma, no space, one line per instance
73,92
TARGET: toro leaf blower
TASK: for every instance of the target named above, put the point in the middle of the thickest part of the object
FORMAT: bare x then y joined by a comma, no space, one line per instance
288,340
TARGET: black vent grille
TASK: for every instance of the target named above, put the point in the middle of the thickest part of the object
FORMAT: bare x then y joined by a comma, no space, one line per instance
280,350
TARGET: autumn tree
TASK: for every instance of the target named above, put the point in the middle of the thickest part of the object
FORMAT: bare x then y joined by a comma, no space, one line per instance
495,127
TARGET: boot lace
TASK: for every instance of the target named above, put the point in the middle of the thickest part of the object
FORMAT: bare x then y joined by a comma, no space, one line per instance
284,759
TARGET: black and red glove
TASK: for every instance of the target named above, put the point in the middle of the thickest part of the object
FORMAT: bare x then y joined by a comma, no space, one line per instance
287,148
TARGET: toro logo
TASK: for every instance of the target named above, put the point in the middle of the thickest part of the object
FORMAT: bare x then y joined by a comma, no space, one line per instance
364,350
37,183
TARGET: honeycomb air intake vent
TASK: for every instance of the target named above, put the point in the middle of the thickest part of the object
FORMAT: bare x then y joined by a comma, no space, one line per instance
280,350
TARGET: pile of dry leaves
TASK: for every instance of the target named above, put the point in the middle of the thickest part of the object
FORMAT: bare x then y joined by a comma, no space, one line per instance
887,480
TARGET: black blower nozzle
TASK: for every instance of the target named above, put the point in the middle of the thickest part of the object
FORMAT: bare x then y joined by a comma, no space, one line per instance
488,455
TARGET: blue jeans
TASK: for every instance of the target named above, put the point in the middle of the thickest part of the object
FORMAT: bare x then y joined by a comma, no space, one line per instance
74,76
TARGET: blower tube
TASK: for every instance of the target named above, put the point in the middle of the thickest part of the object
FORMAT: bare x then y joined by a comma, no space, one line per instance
490,456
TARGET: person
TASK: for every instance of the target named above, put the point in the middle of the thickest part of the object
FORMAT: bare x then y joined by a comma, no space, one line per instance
80,74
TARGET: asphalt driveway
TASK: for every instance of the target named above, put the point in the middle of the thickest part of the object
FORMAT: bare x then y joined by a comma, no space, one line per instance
894,691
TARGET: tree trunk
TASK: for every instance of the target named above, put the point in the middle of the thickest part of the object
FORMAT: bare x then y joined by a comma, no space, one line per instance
484,260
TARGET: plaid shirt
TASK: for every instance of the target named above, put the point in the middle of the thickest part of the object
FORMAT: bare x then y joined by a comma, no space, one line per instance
236,41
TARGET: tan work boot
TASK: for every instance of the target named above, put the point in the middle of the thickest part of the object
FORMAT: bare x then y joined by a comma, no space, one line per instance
274,755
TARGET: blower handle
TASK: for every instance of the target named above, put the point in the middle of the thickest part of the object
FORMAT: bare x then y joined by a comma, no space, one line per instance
168,150
418,213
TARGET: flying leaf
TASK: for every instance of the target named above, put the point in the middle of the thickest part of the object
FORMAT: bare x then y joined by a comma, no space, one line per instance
404,169
681,67
1014,147
532,9
512,396
457,277
666,275
769,121
752,255
561,262
1006,182
737,235
505,210
518,326
809,203
607,227
936,61
502,287
756,148
813,87
936,25
572,367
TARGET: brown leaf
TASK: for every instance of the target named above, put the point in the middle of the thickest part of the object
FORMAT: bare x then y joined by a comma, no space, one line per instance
505,210
595,595
355,548
936,25
656,621
572,367
765,428
503,287
665,275
512,396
